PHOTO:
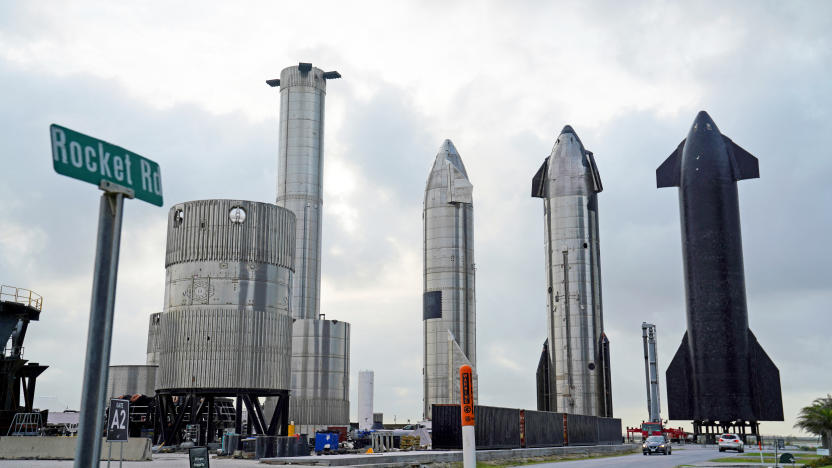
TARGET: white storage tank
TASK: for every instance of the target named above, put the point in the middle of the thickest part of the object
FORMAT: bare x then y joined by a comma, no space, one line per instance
366,382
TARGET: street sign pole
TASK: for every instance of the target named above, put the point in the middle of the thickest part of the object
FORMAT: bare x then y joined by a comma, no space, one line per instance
100,330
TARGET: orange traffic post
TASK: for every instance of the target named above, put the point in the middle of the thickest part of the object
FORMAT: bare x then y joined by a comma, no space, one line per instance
469,444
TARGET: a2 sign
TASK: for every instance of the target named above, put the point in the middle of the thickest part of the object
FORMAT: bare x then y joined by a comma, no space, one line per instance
118,421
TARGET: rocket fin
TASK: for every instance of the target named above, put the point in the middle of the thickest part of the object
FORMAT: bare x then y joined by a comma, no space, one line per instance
766,400
680,384
744,163
543,377
539,180
605,408
669,174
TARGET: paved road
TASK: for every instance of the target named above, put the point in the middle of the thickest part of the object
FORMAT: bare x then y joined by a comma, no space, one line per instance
688,456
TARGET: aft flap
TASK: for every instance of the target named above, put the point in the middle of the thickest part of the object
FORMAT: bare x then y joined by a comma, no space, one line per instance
539,180
670,172
745,165
767,400
680,384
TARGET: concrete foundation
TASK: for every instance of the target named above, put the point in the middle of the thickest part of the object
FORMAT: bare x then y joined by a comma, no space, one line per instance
63,448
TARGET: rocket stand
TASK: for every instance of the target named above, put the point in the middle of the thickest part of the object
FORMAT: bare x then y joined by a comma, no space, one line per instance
710,430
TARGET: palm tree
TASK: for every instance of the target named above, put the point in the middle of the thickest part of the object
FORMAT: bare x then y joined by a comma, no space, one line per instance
817,419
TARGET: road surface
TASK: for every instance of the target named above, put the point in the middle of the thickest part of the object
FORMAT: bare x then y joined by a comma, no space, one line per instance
689,455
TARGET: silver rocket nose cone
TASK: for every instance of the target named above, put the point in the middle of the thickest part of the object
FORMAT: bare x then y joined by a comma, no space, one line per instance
567,129
448,147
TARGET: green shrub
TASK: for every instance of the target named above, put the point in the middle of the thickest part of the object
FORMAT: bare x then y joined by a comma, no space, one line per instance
822,461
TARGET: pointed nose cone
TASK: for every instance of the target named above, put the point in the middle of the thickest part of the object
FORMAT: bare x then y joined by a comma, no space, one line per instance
448,147
448,152
704,122
567,129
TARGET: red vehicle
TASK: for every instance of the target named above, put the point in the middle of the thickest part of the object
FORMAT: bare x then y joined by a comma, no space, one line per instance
648,429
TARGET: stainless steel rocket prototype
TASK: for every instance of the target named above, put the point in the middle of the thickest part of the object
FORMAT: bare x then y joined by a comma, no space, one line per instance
449,311
320,348
579,367
300,175
720,372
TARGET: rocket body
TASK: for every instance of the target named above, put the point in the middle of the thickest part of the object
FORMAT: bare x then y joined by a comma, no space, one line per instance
720,372
449,309
300,178
579,373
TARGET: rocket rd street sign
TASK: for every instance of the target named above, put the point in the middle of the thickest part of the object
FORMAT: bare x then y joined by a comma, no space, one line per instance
92,160
119,174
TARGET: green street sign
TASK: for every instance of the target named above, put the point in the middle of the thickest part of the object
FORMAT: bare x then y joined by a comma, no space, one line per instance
92,160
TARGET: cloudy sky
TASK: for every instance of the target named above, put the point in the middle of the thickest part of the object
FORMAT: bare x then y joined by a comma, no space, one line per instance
183,84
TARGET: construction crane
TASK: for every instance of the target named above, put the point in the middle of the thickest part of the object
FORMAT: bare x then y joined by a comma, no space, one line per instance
651,371
654,425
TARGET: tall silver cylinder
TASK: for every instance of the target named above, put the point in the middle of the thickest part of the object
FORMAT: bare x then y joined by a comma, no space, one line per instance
300,175
320,373
226,324
449,308
568,182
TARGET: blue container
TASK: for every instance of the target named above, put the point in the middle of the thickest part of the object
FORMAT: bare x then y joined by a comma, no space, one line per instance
326,441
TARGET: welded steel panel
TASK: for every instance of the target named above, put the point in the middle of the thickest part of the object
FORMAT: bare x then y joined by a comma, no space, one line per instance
226,322
449,310
130,380
544,429
581,429
568,182
320,373
300,178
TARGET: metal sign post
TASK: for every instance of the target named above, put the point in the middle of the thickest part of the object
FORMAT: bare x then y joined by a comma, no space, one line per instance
469,444
119,173
118,425
100,330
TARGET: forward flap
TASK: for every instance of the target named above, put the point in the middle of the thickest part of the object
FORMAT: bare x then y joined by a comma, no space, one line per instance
745,164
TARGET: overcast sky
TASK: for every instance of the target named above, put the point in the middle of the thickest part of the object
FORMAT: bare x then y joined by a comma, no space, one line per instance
183,84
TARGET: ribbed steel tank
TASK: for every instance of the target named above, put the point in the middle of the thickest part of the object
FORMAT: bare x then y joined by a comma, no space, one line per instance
449,303
130,380
153,339
226,323
320,373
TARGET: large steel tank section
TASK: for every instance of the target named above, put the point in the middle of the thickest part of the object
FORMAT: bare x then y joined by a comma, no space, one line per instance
320,373
130,380
226,323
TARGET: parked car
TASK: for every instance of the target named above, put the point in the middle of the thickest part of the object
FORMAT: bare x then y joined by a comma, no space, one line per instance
656,444
731,442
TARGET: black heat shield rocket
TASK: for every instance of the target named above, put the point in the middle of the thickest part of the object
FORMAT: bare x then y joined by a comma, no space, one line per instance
720,372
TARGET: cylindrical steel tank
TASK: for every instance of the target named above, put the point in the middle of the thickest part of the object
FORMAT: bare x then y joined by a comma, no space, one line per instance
366,381
320,373
153,339
569,183
449,305
226,323
130,380
300,177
